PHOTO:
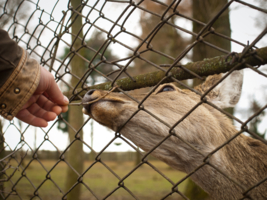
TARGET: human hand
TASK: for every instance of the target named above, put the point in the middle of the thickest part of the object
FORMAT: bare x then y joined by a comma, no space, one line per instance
45,104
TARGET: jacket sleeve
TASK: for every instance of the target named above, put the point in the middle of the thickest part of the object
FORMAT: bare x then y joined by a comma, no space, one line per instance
19,76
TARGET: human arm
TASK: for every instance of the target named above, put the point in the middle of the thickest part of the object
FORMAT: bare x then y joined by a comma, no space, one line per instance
27,90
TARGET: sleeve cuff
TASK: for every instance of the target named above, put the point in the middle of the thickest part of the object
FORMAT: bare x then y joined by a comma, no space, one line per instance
19,87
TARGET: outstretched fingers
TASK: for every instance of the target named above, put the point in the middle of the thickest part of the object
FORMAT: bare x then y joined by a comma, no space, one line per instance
27,117
48,105
39,113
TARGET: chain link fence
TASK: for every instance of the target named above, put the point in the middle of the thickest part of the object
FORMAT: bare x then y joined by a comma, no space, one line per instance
106,44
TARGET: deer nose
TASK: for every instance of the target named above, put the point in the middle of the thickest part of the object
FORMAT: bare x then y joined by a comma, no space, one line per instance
90,92
87,98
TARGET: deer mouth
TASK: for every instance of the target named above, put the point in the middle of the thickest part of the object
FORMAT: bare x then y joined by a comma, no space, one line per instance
103,106
86,110
89,105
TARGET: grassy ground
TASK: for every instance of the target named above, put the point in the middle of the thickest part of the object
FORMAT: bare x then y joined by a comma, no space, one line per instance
144,183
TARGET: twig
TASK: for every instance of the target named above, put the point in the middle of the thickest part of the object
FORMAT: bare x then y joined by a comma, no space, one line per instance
87,103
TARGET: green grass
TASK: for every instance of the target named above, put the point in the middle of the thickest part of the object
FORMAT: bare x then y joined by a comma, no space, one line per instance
144,183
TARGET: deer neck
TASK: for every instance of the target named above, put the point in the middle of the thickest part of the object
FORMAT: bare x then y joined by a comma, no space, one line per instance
244,161
233,160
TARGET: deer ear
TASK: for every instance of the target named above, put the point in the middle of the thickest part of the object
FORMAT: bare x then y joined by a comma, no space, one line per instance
227,93
229,90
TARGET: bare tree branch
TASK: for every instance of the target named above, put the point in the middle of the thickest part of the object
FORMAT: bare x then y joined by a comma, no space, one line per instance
210,66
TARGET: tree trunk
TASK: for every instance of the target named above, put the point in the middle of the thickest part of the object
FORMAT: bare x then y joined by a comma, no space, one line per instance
75,155
204,11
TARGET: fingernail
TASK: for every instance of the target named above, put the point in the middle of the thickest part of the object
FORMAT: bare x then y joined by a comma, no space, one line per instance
66,100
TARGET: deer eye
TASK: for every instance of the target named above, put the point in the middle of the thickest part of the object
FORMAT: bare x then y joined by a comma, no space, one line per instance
167,88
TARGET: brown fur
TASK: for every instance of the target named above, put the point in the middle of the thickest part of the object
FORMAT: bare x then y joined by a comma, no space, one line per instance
243,159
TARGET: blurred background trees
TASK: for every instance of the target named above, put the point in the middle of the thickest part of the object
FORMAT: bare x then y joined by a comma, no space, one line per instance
168,40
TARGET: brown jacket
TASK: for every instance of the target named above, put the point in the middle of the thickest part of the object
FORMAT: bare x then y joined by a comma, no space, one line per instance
19,76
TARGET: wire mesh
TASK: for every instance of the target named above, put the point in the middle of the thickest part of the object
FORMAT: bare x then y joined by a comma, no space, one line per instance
113,45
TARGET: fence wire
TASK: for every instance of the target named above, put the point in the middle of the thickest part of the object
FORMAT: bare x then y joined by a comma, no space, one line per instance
113,44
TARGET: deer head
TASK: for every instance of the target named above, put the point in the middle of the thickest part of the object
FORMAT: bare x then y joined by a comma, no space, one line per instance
204,129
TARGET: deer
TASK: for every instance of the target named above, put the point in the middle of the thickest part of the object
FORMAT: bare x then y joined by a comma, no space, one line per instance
243,159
